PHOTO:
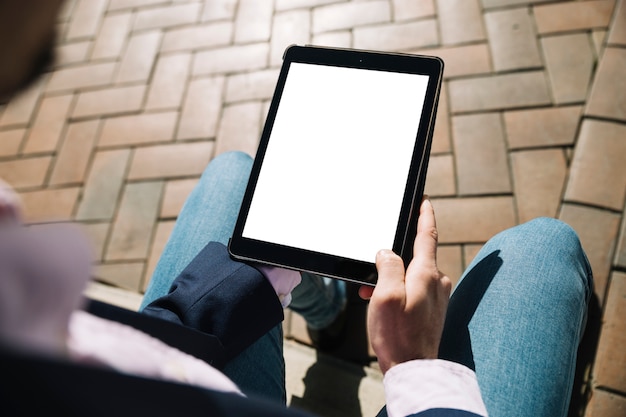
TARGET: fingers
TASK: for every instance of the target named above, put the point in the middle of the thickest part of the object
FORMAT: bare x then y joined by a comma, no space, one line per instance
365,292
425,245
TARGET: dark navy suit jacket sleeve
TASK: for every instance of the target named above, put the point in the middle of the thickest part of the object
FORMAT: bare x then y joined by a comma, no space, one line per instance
229,300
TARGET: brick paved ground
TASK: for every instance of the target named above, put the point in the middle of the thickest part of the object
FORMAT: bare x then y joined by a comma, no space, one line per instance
532,122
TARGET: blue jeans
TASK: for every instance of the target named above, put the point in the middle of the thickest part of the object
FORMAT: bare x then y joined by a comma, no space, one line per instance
516,316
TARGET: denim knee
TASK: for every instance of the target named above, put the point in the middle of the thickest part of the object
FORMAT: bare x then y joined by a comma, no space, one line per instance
231,158
556,236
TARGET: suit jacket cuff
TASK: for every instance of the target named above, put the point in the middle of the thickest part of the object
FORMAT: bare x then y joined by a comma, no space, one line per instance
222,297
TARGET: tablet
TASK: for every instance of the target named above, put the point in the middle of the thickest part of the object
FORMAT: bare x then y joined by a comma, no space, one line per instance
340,168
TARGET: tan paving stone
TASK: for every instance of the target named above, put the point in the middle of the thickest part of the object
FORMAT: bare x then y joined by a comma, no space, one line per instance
72,53
512,39
469,253
112,36
300,4
85,18
139,57
597,230
240,128
441,133
170,161
488,4
49,122
231,59
65,13
197,37
138,129
288,28
219,9
161,236
606,404
53,204
74,154
542,127
620,253
440,179
133,227
539,178
598,172
349,15
610,363
82,76
103,185
607,99
127,4
569,16
617,36
598,38
480,154
10,141
297,329
450,262
20,110
109,101
25,172
473,220
409,9
166,17
201,110
504,91
570,63
168,82
253,22
257,85
175,195
97,234
339,39
125,275
397,37
463,60
460,21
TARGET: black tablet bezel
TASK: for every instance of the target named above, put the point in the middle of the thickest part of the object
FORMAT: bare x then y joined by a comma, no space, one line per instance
251,250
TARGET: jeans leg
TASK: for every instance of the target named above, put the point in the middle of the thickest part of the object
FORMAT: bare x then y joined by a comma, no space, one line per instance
517,316
209,214
318,299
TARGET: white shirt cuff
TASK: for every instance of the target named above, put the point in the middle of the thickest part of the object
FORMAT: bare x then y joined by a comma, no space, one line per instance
420,385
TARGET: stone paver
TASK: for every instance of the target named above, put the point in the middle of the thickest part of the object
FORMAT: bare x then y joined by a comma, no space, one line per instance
538,191
598,240
569,61
613,335
512,39
480,153
543,127
75,153
133,226
531,122
50,120
604,102
598,169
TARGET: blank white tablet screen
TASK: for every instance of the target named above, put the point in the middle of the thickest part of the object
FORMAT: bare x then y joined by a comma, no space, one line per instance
334,173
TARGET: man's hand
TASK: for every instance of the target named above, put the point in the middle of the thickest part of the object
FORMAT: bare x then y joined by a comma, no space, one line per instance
407,309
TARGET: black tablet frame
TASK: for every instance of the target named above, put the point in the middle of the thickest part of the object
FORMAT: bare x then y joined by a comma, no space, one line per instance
251,250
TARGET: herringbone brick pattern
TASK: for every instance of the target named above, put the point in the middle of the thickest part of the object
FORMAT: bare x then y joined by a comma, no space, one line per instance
532,122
